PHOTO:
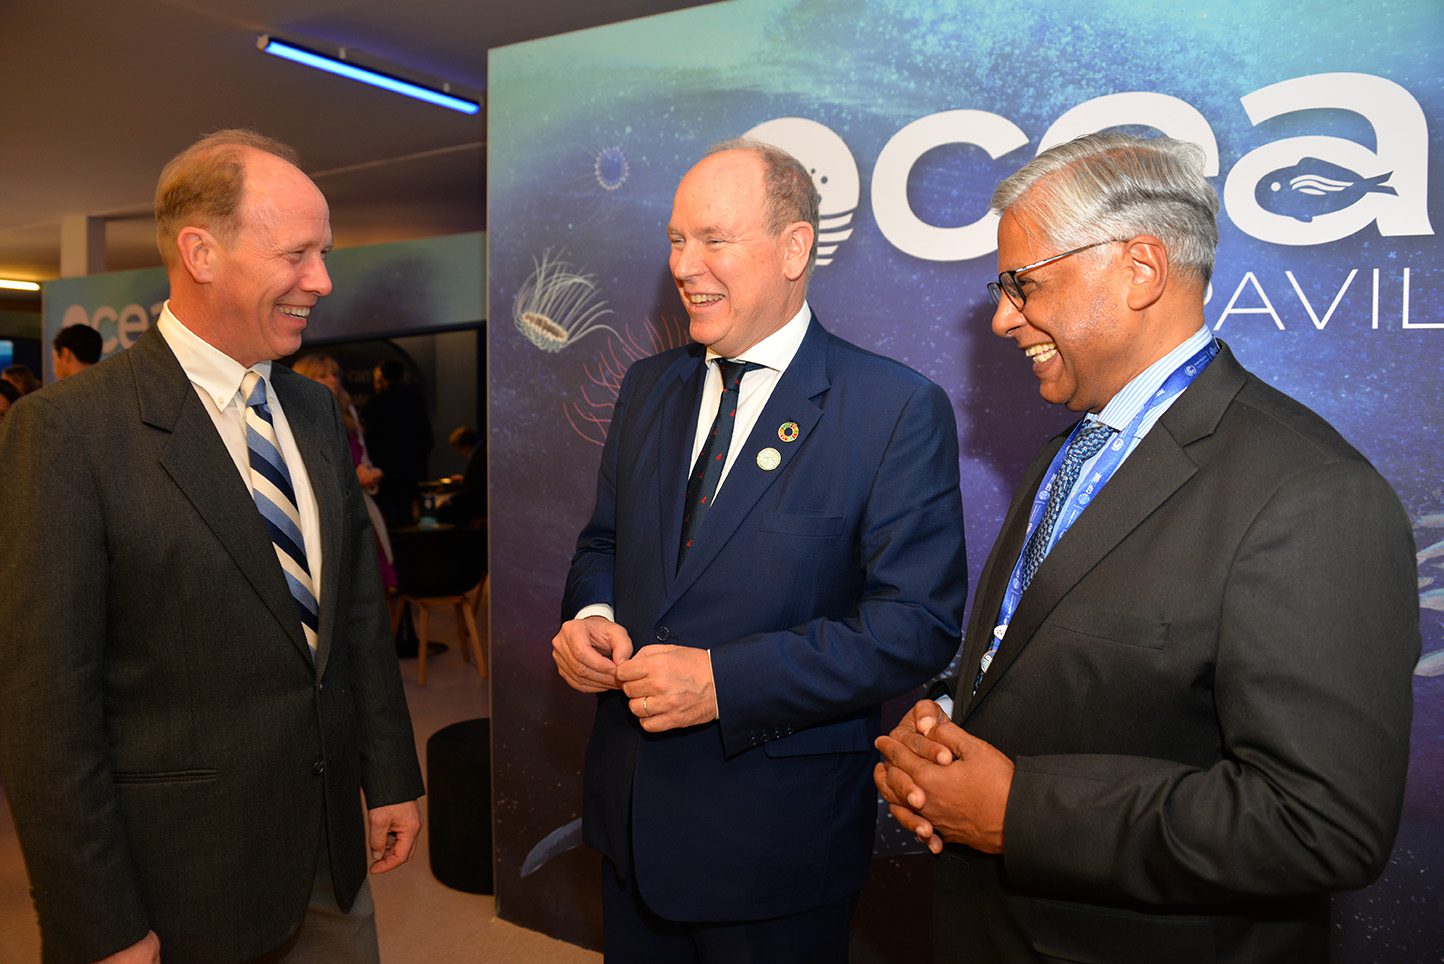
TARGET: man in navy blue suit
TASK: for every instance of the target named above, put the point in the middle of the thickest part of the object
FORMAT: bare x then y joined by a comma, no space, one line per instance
740,652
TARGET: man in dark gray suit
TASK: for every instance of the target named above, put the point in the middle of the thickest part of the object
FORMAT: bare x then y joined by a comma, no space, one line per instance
1183,712
196,676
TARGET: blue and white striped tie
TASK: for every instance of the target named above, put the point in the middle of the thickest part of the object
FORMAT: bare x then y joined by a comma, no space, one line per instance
276,499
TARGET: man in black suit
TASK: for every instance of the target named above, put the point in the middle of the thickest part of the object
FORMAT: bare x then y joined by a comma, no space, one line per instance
398,436
1182,718
196,673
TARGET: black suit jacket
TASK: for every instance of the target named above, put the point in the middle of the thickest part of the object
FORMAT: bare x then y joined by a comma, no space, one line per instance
1206,690
171,753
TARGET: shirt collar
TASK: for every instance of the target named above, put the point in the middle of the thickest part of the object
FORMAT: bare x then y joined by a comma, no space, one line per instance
776,351
1121,409
216,373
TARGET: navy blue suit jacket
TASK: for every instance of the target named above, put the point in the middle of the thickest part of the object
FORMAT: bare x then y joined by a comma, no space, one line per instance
822,587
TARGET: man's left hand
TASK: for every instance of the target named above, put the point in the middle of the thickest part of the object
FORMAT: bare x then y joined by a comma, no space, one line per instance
669,687
392,834
959,802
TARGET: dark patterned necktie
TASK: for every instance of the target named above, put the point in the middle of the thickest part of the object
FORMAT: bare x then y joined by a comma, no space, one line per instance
1089,443
702,485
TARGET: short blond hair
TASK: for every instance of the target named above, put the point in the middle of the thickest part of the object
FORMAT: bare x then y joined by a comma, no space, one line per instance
203,184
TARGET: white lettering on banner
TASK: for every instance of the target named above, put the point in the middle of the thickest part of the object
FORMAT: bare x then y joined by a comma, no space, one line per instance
76,315
133,321
1297,191
1303,299
1404,302
890,208
1313,190
1176,118
834,173
1266,309
118,329
1261,304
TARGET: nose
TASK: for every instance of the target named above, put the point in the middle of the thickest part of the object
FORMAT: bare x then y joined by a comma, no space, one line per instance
317,280
1006,318
684,261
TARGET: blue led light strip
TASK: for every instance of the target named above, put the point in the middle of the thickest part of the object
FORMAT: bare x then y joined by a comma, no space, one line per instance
300,55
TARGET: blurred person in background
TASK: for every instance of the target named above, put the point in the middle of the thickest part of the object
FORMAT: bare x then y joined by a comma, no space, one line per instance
76,348
468,506
398,436
327,371
9,395
22,378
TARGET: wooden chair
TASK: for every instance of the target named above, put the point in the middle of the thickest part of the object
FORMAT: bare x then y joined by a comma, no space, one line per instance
443,567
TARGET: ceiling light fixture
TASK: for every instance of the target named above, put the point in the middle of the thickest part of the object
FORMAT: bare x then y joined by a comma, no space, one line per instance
19,285
339,66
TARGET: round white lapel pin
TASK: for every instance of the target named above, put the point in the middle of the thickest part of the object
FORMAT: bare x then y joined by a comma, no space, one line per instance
768,459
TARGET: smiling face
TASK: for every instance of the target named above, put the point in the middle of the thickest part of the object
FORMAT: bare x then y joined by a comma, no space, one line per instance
266,278
1075,326
739,281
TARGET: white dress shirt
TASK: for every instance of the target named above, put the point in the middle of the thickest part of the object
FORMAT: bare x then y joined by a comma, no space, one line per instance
216,378
774,353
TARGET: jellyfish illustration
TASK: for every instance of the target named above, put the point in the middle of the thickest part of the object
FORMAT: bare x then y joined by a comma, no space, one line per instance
611,168
602,379
557,305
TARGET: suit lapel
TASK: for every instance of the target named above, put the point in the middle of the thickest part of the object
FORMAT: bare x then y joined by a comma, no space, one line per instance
792,400
313,429
678,433
201,466
1156,469
999,567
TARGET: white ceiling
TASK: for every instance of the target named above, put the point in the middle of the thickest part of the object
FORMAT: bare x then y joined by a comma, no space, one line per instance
100,93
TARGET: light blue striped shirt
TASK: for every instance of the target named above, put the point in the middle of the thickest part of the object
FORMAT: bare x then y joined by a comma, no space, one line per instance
1124,407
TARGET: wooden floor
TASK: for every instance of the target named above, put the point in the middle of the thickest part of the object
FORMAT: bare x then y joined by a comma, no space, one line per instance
419,920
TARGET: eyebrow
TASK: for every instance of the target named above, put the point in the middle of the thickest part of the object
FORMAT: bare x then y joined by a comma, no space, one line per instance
705,229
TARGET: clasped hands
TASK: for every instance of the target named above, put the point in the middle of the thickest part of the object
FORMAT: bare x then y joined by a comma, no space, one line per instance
942,783
668,686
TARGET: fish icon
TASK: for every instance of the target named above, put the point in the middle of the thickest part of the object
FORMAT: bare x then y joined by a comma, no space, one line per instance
1313,187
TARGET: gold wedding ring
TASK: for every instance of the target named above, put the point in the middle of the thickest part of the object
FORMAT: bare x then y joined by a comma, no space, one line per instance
645,711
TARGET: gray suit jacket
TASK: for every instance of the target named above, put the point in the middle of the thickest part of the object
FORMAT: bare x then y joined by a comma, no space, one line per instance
1207,693
172,755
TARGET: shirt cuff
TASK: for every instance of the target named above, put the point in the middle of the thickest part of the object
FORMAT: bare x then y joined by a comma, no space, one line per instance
597,609
715,697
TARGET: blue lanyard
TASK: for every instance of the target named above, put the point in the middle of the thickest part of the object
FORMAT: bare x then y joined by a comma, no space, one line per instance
1108,462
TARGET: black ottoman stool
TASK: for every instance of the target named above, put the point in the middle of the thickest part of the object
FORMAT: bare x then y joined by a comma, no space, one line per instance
458,800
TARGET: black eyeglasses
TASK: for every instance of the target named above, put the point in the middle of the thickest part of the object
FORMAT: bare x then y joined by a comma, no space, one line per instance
1007,283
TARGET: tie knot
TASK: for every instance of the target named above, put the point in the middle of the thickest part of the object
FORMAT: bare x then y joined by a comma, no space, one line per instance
1090,441
732,372
253,387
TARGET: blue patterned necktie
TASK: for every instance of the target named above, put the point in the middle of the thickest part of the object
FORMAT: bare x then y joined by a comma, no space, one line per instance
276,500
1089,443
707,473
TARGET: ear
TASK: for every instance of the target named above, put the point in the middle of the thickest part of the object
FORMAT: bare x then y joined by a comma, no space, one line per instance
797,241
197,250
1147,263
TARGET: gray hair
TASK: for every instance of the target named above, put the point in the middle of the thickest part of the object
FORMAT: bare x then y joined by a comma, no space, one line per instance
791,194
1107,187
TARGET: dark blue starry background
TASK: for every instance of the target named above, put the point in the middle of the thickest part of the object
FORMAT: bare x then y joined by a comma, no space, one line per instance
590,132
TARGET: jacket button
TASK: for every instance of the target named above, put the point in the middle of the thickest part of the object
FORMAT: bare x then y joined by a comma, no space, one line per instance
663,634
319,767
